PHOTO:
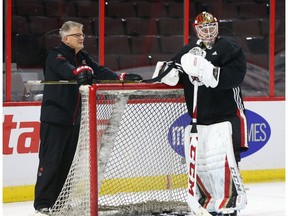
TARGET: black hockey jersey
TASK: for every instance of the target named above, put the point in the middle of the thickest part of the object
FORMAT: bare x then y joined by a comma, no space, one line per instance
217,104
62,103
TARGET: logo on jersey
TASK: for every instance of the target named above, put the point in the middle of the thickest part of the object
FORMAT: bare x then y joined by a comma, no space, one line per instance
60,56
259,133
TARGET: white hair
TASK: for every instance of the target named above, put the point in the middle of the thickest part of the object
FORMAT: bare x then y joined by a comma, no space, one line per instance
63,31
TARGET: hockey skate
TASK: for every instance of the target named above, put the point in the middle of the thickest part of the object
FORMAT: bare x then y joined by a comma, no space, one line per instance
223,214
41,212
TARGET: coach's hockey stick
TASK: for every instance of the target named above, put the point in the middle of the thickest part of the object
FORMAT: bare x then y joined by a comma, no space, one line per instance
74,82
162,74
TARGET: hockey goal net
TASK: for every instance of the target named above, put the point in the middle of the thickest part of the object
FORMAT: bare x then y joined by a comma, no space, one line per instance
129,158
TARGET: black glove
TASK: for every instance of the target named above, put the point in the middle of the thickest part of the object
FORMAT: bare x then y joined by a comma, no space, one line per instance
130,76
84,75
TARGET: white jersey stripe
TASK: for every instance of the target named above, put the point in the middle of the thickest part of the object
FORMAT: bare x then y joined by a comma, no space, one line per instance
237,98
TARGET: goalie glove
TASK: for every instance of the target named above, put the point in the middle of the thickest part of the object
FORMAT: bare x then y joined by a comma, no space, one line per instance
198,66
171,78
84,75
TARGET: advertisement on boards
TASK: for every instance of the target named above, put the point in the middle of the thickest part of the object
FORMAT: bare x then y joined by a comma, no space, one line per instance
21,139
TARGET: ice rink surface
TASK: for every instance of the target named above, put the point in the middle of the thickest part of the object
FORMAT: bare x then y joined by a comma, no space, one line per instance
264,199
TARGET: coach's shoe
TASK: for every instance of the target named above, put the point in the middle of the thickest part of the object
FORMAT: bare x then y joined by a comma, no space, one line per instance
41,212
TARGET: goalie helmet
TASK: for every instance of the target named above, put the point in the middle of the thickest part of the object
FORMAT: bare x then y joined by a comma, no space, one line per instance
206,28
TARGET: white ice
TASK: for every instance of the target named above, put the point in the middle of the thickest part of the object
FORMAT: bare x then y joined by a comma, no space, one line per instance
264,199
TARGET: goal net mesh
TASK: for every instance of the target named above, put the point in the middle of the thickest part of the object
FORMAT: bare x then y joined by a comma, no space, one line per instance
139,167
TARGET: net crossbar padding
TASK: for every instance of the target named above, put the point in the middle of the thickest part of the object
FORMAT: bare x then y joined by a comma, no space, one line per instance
124,163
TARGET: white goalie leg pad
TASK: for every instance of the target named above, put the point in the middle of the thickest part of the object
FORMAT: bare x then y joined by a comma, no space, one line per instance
241,200
215,159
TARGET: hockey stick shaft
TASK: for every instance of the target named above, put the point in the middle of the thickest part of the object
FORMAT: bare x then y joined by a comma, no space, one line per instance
191,160
69,82
191,155
156,79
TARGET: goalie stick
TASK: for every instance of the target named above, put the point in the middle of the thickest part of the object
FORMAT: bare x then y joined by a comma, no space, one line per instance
191,142
191,159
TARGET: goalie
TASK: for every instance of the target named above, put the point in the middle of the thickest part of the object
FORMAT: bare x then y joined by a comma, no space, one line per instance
218,66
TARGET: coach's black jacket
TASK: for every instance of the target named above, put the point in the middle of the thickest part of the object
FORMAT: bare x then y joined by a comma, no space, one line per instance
62,103
216,104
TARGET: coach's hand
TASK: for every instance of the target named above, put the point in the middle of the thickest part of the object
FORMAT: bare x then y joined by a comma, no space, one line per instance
130,77
84,75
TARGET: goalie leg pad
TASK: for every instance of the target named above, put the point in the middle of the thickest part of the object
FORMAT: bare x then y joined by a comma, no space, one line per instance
217,168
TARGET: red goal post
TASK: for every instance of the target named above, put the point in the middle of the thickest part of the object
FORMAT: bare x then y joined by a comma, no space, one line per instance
127,160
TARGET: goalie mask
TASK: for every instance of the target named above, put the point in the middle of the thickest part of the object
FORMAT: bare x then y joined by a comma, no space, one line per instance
206,28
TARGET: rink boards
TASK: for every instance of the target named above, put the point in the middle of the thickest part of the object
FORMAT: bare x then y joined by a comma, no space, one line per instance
265,160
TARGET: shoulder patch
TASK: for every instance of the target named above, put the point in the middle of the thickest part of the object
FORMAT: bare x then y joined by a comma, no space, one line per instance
60,56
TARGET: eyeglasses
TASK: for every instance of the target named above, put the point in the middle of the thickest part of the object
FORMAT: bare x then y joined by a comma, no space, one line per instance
78,35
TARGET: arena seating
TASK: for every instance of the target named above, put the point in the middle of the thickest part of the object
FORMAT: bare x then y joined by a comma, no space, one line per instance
145,45
139,26
142,27
20,25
